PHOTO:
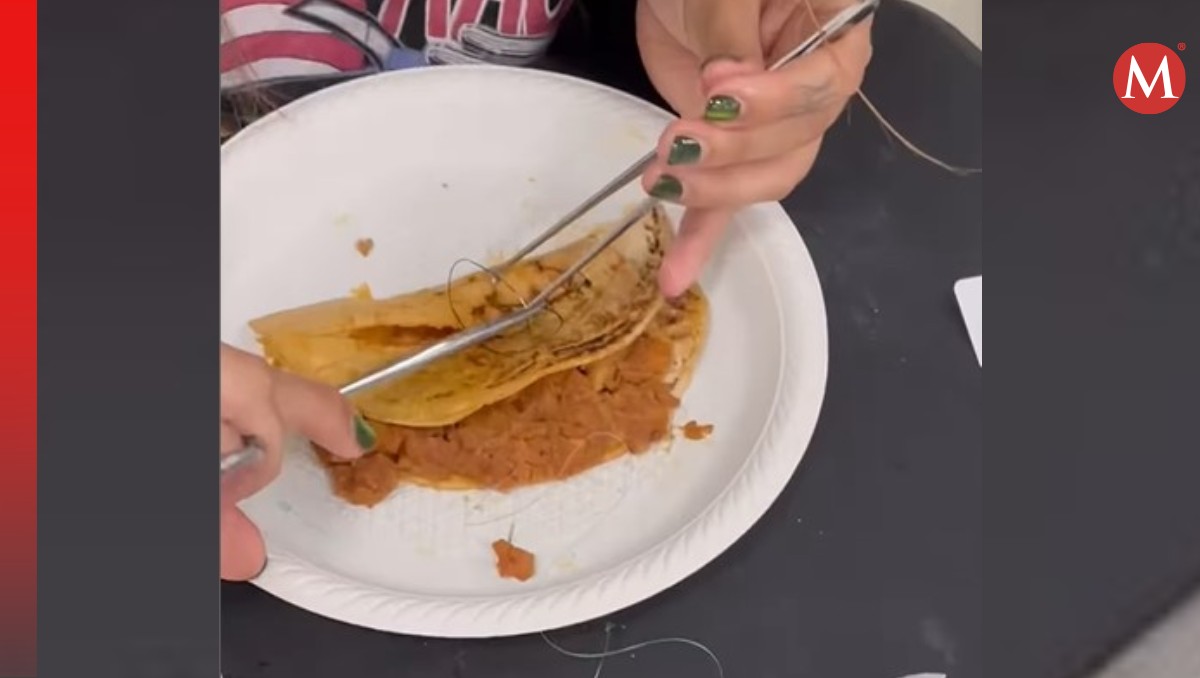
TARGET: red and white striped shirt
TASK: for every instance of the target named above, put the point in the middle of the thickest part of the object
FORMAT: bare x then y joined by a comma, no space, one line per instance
275,41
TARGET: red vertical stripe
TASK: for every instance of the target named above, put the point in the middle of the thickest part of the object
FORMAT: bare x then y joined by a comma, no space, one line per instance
437,19
510,17
18,298
392,15
466,12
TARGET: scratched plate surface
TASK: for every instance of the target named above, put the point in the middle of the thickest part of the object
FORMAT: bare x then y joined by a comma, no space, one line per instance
437,164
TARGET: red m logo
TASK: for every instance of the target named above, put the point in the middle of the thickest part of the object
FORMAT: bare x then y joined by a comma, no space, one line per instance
1154,95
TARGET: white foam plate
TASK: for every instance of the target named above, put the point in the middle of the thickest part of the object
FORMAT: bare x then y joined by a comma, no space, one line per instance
441,163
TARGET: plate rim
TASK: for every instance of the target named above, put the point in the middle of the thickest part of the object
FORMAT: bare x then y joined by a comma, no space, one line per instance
740,505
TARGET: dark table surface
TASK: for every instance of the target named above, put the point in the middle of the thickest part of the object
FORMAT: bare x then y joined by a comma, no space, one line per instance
1094,234
870,563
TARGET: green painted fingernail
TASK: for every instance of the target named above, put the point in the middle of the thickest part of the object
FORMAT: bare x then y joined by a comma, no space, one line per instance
722,109
684,151
667,188
364,433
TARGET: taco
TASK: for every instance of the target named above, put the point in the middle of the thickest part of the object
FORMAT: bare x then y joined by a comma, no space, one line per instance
597,376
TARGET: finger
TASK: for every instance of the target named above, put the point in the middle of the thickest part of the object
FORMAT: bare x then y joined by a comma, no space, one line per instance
699,233
727,40
820,82
322,415
231,440
665,57
247,384
243,554
734,186
248,405
248,477
241,481
693,143
810,85
851,47
724,31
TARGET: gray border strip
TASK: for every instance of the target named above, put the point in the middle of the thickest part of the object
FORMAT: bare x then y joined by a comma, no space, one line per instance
1093,247
128,236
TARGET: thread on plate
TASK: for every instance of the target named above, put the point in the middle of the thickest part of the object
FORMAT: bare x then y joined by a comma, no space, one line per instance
609,652
506,516
514,514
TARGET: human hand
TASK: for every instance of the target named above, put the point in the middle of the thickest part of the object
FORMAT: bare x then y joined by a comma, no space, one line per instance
745,135
262,403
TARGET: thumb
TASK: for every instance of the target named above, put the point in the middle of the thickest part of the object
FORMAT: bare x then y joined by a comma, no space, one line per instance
322,415
725,37
242,552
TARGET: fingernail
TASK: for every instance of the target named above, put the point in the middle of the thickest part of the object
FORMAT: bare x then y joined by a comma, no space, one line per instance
722,109
364,433
684,151
667,188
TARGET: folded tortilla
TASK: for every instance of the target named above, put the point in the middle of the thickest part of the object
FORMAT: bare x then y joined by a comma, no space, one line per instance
598,313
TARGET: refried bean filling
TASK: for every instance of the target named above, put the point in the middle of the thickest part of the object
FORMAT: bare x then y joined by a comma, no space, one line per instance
561,425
